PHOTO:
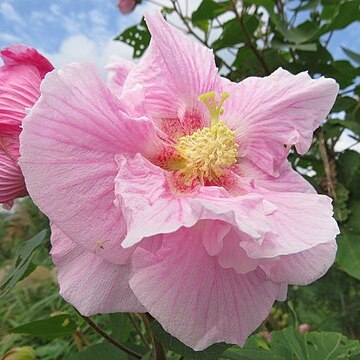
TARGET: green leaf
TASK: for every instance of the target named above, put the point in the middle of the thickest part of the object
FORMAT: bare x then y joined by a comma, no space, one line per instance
22,265
341,211
352,125
120,326
348,13
349,172
290,344
345,72
313,345
171,343
344,103
267,4
234,34
329,10
348,255
352,55
138,37
304,47
299,35
101,351
209,10
250,353
52,327
353,223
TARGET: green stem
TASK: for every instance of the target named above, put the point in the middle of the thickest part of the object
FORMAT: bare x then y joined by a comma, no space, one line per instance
138,331
110,339
159,352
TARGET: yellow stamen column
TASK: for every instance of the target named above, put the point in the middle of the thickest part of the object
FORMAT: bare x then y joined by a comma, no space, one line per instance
209,151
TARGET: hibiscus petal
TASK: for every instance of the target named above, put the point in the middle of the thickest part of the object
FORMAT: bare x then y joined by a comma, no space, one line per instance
19,89
194,298
232,255
270,114
147,202
174,71
119,69
287,180
214,234
20,54
299,222
304,267
68,148
12,184
152,206
90,283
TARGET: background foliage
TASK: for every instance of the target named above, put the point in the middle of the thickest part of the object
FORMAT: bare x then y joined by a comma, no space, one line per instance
249,38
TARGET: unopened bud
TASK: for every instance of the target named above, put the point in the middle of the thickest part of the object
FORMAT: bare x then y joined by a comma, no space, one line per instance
20,353
127,6
266,335
304,328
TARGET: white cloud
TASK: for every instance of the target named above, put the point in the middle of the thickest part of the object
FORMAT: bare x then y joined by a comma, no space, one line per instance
9,12
77,48
98,18
55,9
9,38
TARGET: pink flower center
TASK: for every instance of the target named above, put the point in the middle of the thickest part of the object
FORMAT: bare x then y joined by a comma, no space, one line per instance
207,153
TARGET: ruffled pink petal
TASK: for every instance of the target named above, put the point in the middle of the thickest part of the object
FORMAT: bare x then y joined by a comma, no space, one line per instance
11,130
12,184
20,54
194,298
119,69
68,147
132,99
214,234
270,114
90,283
174,72
304,267
146,200
224,240
246,213
151,205
299,222
19,89
233,256
287,179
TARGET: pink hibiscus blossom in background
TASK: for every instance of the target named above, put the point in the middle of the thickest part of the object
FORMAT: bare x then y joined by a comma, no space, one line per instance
20,78
169,190
127,6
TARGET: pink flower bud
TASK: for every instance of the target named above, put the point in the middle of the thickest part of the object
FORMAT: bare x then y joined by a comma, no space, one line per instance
127,6
266,335
304,328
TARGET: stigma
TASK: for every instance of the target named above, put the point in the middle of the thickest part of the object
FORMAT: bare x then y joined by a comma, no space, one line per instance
207,153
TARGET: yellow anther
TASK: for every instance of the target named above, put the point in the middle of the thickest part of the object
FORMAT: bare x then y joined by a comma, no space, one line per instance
215,108
206,153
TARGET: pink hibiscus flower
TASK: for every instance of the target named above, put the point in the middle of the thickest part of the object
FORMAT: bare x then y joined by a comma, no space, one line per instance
20,78
170,191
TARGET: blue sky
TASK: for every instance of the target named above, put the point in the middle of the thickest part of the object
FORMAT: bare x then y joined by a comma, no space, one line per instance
46,23
66,30
70,30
